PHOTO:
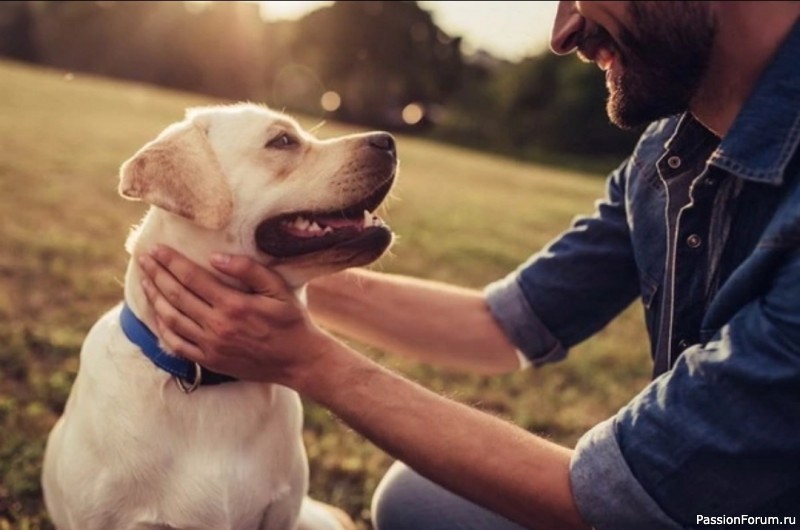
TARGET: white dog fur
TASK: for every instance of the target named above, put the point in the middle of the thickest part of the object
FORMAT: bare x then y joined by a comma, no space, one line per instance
132,451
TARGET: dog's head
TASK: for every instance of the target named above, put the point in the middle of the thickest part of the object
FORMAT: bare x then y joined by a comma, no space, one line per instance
271,190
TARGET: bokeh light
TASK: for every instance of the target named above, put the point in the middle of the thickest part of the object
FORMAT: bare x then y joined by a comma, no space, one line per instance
330,101
413,113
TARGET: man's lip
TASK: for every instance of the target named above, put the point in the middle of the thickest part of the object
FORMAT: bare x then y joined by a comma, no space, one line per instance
604,58
597,45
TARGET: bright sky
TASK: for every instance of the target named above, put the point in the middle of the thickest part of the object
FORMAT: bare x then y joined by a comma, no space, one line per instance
510,30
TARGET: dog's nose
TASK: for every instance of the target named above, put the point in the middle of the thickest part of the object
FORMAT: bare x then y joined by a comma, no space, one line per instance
383,141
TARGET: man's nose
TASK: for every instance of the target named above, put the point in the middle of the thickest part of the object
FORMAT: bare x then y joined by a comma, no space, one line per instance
567,28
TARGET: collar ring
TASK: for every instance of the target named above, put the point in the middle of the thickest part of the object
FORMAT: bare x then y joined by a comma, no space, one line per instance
198,378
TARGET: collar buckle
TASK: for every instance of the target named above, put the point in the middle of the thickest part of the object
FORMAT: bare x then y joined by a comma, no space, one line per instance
198,379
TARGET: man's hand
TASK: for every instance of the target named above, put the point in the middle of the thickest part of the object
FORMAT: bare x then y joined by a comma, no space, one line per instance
263,333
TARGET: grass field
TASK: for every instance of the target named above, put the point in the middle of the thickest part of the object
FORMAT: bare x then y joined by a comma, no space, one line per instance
461,216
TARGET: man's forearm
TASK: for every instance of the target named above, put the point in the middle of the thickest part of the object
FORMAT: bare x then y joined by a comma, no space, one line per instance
422,319
472,453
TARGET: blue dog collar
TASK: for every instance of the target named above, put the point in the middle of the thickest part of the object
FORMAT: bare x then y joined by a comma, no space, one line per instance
188,375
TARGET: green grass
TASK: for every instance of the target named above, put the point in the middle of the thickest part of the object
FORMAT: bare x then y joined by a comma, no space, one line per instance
462,217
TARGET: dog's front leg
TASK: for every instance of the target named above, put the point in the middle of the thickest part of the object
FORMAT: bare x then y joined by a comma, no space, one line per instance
315,515
281,514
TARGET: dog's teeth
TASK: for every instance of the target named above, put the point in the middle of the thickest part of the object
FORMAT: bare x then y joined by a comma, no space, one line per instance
301,223
367,219
314,227
327,230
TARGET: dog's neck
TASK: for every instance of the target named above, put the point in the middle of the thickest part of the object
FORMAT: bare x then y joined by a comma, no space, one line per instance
163,228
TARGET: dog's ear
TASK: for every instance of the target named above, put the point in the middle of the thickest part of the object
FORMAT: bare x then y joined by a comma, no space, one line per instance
179,172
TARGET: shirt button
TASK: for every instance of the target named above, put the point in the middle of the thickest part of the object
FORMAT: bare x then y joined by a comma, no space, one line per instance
674,162
694,241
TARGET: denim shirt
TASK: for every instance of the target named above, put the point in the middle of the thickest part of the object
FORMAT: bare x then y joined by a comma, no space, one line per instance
706,233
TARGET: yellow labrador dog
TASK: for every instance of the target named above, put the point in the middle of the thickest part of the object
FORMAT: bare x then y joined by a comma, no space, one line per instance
135,450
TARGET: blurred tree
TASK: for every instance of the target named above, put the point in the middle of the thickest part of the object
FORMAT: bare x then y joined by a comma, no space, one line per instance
16,31
560,105
538,107
119,39
471,114
215,48
226,43
379,57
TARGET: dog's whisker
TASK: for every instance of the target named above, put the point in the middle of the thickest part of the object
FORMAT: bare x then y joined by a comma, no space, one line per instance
315,128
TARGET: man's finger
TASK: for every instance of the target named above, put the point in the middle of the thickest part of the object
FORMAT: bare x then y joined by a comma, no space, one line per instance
258,278
192,276
175,293
167,314
179,345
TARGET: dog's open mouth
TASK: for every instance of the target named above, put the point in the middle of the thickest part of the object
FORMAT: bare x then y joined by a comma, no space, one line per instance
299,233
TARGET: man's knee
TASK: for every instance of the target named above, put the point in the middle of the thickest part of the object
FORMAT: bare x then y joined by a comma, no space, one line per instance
394,503
405,500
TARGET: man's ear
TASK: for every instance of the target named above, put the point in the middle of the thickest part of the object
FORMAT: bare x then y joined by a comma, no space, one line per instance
179,172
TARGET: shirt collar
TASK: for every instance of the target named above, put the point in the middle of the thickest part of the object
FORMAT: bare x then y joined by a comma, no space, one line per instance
766,132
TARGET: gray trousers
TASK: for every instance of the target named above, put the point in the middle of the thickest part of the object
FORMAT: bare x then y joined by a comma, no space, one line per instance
405,500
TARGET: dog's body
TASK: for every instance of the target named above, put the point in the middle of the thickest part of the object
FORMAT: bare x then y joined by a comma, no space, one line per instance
132,451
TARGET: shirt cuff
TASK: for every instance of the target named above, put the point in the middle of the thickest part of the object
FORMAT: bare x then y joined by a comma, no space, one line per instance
516,318
606,493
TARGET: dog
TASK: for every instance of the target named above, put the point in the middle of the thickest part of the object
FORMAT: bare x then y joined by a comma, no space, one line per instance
144,442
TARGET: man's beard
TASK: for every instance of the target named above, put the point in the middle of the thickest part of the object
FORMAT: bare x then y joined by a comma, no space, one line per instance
659,69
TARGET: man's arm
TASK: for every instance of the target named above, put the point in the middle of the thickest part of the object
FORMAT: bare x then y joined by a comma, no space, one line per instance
474,454
425,320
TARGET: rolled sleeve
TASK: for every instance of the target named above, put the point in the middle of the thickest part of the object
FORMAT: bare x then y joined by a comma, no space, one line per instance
607,494
513,313
574,286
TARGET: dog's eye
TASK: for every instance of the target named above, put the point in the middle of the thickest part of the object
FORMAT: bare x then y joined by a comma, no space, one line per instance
282,141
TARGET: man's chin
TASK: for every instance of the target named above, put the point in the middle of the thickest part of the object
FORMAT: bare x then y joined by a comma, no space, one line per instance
620,114
629,120
629,112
